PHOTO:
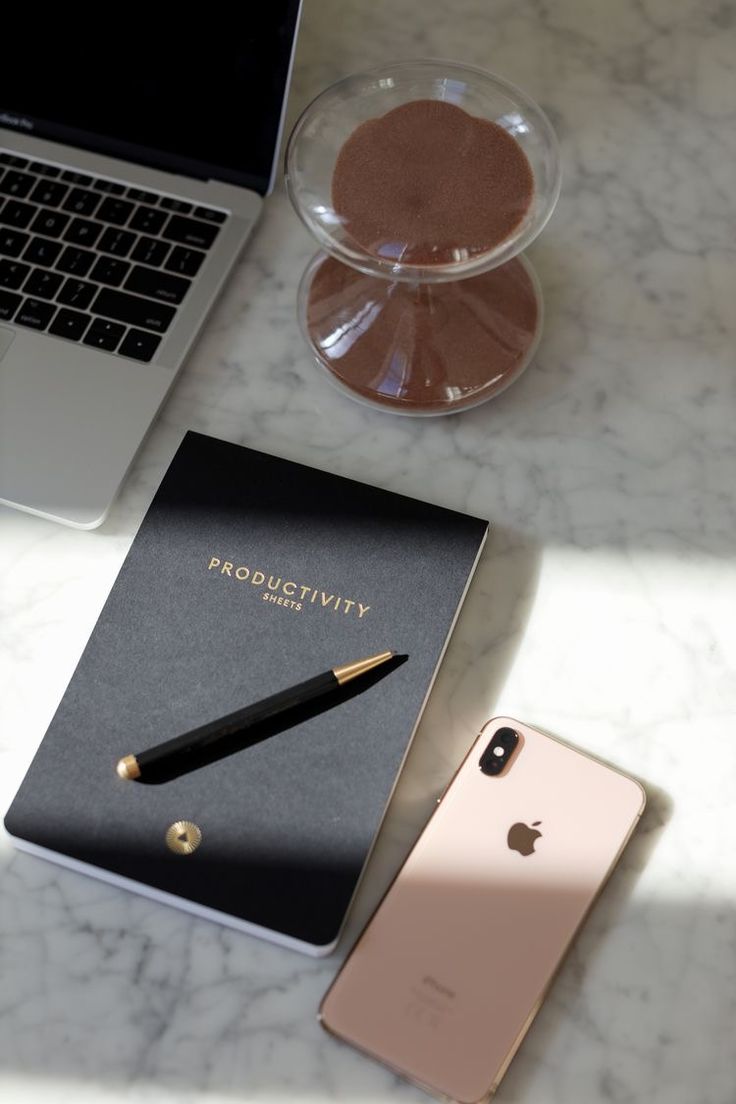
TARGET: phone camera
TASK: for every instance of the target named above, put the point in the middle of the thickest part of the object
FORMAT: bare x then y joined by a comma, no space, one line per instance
498,752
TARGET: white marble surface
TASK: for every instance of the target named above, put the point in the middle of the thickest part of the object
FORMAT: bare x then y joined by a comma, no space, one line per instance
604,608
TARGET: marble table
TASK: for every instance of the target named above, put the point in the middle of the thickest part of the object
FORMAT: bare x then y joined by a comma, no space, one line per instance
604,608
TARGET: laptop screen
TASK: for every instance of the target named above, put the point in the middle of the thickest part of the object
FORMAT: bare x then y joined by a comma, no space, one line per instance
200,94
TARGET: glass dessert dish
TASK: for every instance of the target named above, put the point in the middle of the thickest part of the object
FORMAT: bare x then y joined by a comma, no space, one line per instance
422,182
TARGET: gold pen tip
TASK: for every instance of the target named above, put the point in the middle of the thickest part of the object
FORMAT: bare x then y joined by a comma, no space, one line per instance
348,671
128,768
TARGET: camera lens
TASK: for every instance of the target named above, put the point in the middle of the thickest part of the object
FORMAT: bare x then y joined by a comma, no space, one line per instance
498,752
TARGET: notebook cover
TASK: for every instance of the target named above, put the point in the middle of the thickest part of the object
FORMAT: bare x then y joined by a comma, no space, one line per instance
322,570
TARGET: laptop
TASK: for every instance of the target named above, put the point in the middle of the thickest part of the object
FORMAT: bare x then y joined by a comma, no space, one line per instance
134,158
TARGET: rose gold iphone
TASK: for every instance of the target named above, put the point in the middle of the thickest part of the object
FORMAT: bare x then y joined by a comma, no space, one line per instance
448,974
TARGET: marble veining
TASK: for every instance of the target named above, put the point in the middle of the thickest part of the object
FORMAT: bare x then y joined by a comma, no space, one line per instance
602,610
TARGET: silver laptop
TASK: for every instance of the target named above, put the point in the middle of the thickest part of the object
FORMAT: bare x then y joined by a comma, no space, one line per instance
134,159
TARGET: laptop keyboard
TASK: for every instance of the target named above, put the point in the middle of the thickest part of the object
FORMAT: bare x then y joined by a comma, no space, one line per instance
94,260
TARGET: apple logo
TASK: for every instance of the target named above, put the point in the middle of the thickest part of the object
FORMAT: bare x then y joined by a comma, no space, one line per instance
521,837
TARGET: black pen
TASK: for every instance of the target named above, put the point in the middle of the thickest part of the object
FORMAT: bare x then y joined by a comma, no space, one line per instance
131,767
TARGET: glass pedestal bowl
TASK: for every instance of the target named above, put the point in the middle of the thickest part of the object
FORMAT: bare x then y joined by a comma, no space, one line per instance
422,182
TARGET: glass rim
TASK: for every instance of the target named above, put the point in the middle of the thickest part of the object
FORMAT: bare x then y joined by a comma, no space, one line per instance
361,259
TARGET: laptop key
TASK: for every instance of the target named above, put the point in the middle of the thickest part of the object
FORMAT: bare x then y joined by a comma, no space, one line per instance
104,335
208,215
14,160
42,285
49,193
117,242
16,184
76,177
109,186
139,345
41,251
12,274
70,323
50,223
135,311
185,261
75,262
18,214
12,242
117,211
147,220
9,303
170,204
109,270
157,284
81,202
77,293
45,170
82,232
35,314
150,251
188,231
140,196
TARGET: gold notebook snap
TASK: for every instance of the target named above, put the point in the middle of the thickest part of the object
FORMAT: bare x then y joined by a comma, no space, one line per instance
183,837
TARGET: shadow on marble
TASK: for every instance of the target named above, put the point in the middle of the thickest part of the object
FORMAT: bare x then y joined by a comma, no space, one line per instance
488,634
616,435
125,994
103,987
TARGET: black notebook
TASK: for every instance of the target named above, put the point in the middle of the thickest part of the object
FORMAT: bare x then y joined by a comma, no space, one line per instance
249,574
